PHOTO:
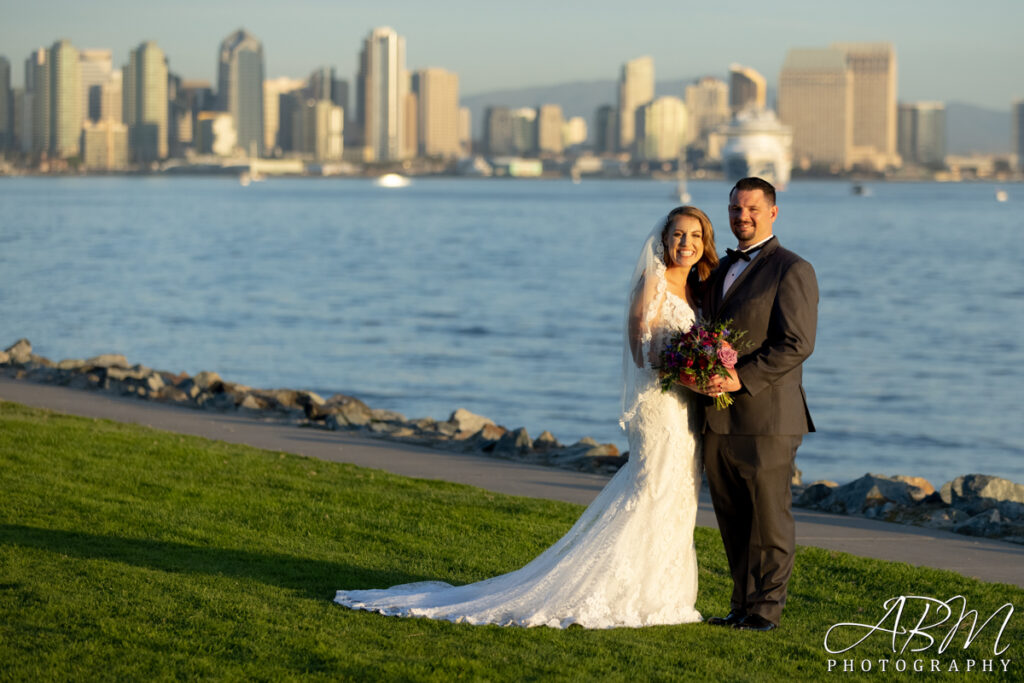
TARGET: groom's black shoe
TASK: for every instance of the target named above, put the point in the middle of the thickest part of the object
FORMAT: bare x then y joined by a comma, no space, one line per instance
734,617
755,622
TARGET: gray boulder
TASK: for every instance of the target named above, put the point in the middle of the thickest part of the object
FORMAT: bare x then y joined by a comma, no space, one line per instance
976,493
19,352
546,442
346,411
815,493
988,524
515,442
466,421
869,493
108,360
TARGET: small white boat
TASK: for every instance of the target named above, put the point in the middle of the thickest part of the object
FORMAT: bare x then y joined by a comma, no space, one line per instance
1001,195
391,180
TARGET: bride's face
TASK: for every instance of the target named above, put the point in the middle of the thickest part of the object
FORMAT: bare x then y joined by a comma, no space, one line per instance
684,244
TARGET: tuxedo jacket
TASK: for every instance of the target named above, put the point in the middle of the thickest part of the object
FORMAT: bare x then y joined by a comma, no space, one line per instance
775,299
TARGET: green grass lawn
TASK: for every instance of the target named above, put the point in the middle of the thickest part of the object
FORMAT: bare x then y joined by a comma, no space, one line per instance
129,553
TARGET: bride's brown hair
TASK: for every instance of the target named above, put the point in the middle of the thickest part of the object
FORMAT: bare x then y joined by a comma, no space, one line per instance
709,260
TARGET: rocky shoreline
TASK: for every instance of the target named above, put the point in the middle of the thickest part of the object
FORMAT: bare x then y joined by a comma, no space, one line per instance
974,504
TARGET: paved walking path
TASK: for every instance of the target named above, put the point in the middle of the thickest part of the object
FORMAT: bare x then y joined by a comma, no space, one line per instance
983,559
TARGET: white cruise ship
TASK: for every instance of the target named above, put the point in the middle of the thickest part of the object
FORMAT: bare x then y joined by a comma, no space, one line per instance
757,144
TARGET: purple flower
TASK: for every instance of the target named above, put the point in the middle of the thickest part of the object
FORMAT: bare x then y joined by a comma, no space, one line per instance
727,355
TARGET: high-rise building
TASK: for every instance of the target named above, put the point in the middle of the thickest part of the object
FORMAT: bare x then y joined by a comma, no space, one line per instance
574,132
96,67
922,133
606,139
146,103
381,95
215,133
1017,132
6,105
550,136
65,100
873,67
112,97
240,88
104,145
636,88
36,137
437,120
499,137
465,131
524,130
318,129
661,129
272,91
707,107
747,89
816,101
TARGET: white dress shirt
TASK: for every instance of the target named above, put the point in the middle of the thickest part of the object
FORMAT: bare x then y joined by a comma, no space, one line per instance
739,265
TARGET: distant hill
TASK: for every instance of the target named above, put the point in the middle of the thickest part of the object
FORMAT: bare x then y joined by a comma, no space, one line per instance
976,129
968,128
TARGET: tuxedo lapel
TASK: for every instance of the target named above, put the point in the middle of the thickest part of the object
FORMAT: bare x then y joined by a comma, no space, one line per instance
756,264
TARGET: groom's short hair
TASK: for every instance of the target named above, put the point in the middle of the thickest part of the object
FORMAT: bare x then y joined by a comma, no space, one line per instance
756,184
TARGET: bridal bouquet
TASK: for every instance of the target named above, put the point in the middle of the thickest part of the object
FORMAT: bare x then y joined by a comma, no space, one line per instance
707,349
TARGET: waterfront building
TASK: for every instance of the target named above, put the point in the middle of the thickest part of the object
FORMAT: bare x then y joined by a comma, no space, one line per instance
707,106
104,145
318,130
146,103
273,89
498,136
20,111
922,133
465,131
6,106
636,89
240,88
437,113
96,67
661,128
410,117
111,97
1017,132
873,69
524,130
574,132
382,86
606,137
65,100
550,133
37,103
816,101
747,89
215,133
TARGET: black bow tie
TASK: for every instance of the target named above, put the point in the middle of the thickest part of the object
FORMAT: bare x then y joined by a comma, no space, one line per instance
737,255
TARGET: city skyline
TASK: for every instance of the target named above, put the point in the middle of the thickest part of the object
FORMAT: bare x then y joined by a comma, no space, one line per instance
947,54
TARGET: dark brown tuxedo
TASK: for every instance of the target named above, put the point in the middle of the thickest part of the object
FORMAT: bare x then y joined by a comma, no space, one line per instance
750,446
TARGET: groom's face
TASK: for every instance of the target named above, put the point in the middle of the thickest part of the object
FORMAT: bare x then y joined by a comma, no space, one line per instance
751,217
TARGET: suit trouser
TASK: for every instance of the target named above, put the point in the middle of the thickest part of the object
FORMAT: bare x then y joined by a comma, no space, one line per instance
749,479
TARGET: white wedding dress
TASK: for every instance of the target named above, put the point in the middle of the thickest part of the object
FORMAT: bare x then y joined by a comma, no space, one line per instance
628,561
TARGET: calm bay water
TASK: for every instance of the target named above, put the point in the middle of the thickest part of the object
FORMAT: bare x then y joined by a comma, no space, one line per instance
506,298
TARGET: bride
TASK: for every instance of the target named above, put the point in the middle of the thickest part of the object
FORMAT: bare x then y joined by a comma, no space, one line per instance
629,560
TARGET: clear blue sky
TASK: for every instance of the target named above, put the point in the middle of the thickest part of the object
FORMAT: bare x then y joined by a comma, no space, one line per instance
964,50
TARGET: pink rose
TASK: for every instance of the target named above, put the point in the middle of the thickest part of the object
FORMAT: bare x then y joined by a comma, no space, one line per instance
727,355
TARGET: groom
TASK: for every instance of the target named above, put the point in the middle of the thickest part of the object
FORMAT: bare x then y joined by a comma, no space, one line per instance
749,447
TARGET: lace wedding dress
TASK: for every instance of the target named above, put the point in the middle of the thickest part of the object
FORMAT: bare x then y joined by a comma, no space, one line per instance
628,561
